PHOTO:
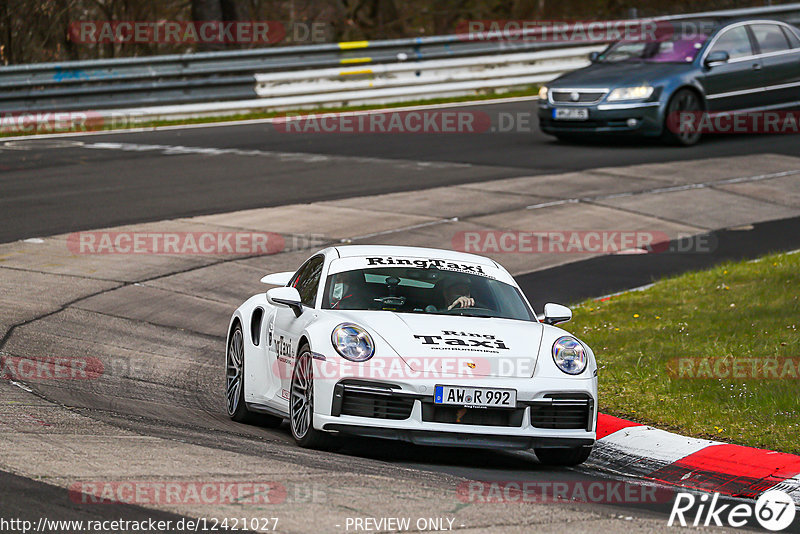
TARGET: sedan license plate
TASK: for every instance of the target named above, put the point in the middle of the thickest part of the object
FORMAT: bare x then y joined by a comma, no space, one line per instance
475,397
570,114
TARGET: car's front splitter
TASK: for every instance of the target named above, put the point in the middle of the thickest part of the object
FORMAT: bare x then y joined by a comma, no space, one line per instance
459,439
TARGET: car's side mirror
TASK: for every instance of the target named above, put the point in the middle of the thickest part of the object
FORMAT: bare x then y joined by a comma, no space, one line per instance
556,313
286,296
594,56
716,58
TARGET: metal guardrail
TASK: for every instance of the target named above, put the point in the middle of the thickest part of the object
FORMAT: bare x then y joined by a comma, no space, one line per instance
302,76
212,76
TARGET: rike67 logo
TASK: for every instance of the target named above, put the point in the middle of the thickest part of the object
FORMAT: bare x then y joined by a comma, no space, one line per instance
774,510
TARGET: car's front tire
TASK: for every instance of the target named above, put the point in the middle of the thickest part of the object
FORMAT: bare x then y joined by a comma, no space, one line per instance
301,404
234,385
684,100
563,457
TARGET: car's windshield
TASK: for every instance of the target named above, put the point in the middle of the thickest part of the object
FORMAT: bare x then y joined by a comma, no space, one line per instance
427,291
679,50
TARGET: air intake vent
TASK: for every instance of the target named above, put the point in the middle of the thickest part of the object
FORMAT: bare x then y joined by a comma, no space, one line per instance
563,412
433,413
369,401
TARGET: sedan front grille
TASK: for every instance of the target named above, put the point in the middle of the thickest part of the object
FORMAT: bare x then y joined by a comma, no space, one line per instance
576,97
563,411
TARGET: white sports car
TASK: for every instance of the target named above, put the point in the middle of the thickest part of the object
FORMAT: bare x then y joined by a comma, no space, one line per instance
429,346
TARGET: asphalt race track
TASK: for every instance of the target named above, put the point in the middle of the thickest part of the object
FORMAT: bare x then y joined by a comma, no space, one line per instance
56,190
608,274
157,323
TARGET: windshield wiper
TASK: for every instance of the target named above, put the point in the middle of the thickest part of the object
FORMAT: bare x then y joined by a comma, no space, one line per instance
467,314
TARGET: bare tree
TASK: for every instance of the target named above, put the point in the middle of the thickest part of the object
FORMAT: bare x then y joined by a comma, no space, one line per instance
39,31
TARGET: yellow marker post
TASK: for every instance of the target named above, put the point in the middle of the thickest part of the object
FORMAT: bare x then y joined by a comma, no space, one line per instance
355,72
350,45
351,60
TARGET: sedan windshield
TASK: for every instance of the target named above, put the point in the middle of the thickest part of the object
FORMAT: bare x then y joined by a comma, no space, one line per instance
681,50
427,291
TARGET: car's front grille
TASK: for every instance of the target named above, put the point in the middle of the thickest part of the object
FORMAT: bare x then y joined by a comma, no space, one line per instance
576,97
367,401
432,413
563,411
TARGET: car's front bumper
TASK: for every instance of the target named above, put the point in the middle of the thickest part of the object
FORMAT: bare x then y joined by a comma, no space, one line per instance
549,413
605,118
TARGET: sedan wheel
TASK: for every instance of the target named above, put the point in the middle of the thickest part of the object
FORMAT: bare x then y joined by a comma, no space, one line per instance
681,102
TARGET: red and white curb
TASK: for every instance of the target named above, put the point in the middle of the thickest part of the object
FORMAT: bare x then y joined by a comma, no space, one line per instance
637,450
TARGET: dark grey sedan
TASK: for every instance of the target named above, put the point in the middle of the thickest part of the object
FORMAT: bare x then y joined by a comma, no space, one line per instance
633,87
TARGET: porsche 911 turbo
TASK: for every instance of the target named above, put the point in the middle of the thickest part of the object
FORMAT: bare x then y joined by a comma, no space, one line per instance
428,346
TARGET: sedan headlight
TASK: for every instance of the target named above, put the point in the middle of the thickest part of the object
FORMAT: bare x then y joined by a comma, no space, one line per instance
630,93
543,92
569,355
352,342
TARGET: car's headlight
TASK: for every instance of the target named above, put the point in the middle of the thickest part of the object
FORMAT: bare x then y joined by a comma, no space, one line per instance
569,355
631,93
543,92
352,342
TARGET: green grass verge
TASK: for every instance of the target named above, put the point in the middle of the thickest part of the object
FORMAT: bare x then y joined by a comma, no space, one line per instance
748,311
487,95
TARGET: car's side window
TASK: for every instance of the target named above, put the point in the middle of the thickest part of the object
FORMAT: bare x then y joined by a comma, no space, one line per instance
299,274
770,38
736,42
307,279
794,40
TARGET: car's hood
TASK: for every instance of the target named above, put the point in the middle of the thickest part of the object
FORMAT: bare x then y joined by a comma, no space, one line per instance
444,344
622,74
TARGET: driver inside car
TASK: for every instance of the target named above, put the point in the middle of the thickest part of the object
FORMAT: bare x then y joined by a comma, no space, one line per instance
457,294
348,292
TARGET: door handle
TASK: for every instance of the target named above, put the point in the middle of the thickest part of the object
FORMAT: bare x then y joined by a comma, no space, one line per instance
756,66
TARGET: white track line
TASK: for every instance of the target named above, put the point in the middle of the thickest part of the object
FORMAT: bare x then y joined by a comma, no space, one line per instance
670,189
443,105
